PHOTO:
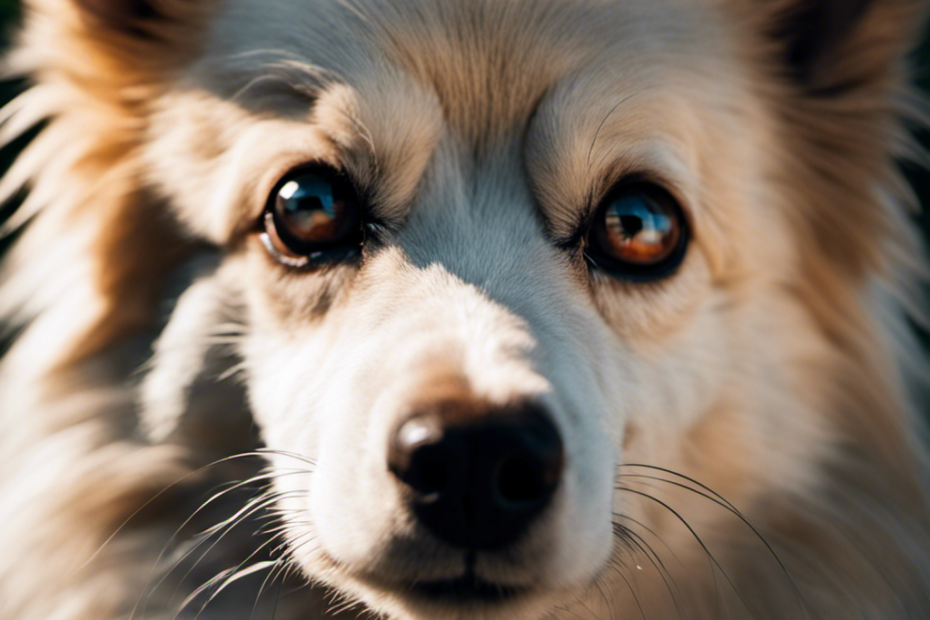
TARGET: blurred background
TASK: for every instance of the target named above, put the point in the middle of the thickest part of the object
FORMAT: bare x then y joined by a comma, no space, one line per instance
9,16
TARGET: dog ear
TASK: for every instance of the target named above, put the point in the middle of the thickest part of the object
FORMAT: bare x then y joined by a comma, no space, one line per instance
835,75
120,14
151,20
831,45
148,33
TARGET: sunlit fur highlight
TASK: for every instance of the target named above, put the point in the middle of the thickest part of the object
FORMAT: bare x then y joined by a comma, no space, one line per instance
85,283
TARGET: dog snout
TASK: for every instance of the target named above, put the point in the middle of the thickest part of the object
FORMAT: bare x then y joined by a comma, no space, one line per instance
477,475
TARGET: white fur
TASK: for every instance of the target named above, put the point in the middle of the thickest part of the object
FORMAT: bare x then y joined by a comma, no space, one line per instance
736,435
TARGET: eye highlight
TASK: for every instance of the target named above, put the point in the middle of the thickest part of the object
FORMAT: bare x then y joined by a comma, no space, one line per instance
638,233
313,215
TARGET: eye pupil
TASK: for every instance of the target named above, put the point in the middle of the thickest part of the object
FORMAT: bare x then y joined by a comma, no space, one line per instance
630,225
638,232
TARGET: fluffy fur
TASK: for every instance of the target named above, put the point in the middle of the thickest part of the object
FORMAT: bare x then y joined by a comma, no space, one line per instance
739,437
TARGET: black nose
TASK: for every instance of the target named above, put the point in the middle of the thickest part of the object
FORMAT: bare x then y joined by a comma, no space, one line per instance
478,475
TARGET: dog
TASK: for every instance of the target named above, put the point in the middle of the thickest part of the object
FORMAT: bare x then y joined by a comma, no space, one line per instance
465,309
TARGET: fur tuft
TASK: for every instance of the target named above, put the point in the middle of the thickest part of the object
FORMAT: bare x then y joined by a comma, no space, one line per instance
742,436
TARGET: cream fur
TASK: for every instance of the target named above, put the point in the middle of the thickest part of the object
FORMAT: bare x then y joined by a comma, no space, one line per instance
739,437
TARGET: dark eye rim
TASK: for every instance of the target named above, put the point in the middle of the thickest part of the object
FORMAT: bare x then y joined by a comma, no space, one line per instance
312,254
629,271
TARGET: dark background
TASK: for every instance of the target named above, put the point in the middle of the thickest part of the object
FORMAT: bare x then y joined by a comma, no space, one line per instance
9,15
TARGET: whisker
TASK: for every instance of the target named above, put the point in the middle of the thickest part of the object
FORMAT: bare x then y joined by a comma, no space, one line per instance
277,599
228,572
290,569
279,527
610,609
203,506
261,589
650,531
263,501
631,537
718,499
256,503
717,495
601,126
285,567
296,455
145,505
240,572
232,371
228,526
346,604
569,611
639,605
291,565
696,537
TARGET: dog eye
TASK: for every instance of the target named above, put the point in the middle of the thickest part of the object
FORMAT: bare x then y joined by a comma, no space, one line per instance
313,215
638,233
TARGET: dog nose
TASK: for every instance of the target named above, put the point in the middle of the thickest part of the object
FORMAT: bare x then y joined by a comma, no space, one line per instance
478,478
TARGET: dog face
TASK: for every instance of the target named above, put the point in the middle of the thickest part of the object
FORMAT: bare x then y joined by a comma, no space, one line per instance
486,257
477,288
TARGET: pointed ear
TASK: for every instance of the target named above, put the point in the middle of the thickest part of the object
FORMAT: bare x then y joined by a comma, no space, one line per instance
139,30
120,14
830,45
153,20
835,74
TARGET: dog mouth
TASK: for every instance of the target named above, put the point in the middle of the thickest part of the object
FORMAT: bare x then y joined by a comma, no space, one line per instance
466,589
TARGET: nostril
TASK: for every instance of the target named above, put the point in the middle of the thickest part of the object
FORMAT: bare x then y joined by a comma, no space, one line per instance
527,475
430,472
521,483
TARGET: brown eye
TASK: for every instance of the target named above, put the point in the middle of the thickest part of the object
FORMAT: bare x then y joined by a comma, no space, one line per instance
313,215
638,233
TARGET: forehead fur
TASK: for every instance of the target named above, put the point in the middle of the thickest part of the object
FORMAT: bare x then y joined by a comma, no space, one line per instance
488,63
431,55
579,92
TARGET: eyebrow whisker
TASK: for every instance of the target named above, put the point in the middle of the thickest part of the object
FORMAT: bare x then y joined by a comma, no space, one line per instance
601,126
